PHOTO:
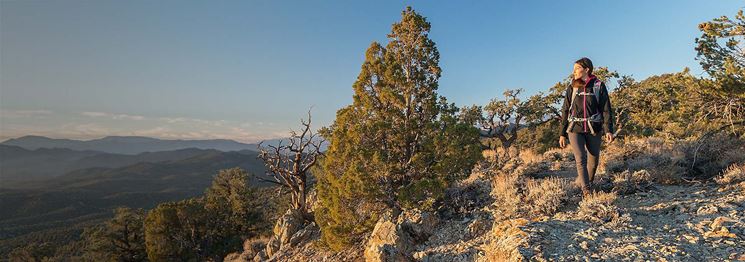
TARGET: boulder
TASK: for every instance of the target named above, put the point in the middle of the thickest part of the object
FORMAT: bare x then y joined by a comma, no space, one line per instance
420,224
304,234
287,225
290,229
388,241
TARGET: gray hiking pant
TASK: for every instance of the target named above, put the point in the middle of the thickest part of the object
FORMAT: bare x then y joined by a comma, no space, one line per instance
586,148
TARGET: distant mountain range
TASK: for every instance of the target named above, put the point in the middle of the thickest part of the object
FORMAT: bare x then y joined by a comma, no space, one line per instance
128,144
19,166
89,194
53,188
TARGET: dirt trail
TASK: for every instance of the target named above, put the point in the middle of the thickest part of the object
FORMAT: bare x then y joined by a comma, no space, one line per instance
698,222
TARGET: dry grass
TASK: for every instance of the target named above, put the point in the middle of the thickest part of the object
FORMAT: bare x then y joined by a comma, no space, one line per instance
673,162
707,157
506,190
655,155
528,156
545,196
600,208
489,155
518,196
559,154
626,182
508,238
734,174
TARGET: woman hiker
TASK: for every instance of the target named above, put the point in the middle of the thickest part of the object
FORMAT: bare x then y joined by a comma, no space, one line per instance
586,117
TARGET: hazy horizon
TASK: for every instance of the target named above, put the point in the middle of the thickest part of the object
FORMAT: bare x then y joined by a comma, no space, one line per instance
102,137
249,70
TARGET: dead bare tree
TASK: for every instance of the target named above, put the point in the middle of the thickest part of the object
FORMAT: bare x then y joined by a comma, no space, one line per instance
621,118
288,164
505,117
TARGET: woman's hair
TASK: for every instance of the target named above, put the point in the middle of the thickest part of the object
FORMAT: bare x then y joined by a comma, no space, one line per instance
578,83
585,63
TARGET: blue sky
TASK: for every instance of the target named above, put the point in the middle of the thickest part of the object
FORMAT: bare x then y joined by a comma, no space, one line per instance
249,70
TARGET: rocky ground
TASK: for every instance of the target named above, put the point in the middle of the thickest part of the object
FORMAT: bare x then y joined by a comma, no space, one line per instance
701,222
669,223
689,222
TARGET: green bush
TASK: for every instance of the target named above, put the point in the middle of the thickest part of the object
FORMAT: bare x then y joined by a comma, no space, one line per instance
204,228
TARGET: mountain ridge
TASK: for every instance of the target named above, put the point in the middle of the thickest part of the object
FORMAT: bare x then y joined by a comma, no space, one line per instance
128,144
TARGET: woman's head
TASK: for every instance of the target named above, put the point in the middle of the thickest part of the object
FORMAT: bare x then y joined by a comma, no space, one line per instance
582,68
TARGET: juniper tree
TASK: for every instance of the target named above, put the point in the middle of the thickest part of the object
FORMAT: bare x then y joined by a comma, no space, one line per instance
122,238
399,144
721,52
205,227
177,230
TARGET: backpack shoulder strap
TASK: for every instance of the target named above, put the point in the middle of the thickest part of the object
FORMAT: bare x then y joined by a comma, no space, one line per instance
572,94
596,89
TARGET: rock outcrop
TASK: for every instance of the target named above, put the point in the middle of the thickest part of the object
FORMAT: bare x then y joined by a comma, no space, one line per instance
395,237
290,230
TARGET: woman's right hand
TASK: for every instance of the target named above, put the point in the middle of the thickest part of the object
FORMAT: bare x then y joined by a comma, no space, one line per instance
562,141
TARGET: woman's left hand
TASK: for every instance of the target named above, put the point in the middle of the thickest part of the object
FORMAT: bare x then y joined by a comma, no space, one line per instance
609,137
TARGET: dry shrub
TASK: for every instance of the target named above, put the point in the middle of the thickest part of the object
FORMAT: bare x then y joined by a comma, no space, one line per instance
626,182
734,174
710,155
674,161
506,190
599,208
497,160
513,165
546,196
466,196
552,156
520,196
558,154
656,155
528,156
524,163
555,156
253,246
489,155
507,239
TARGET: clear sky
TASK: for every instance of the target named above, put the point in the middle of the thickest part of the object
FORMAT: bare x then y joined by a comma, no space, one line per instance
249,70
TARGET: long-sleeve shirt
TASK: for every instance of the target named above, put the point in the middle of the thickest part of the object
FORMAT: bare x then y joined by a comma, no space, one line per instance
585,105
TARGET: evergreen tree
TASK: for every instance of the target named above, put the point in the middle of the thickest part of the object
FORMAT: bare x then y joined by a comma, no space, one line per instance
720,51
119,239
204,228
234,211
32,252
176,231
399,144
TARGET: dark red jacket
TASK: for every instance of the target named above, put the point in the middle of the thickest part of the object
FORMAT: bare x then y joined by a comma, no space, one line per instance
586,106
